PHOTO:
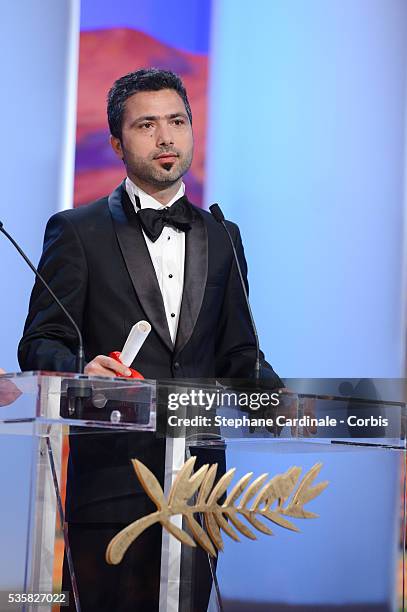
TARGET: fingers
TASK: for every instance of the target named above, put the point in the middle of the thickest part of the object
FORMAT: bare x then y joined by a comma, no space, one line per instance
8,392
106,366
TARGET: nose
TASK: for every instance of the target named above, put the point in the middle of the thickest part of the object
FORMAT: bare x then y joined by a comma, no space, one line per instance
164,135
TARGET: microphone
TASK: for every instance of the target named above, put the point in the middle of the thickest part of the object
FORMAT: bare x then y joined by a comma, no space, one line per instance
80,355
219,217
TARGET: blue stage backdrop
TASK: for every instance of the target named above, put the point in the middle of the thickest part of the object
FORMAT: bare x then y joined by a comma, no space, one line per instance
306,151
37,105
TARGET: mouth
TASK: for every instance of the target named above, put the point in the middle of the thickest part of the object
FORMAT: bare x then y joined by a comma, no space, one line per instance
166,157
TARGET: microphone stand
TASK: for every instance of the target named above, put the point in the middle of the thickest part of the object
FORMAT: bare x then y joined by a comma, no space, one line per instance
76,395
218,215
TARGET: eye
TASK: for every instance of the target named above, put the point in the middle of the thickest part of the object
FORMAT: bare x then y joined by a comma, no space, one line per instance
146,125
178,121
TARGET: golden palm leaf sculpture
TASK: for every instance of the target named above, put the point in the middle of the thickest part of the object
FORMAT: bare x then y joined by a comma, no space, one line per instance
256,501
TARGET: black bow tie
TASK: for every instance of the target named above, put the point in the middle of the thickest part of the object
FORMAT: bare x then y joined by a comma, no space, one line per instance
179,215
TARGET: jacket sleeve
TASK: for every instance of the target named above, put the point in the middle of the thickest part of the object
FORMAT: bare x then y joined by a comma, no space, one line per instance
236,345
49,340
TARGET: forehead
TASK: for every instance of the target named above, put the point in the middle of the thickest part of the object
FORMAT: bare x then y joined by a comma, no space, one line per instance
157,103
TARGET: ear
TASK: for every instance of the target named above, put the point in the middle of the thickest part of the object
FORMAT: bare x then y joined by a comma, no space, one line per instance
116,146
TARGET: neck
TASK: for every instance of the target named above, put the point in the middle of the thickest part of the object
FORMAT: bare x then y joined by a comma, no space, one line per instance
163,195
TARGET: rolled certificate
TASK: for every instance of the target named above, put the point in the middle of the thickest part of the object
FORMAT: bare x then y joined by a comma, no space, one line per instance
134,342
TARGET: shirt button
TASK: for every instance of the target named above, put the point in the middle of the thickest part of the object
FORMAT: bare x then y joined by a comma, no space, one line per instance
176,365
173,314
170,276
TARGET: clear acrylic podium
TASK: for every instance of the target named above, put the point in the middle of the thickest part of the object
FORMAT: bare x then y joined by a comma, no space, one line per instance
350,558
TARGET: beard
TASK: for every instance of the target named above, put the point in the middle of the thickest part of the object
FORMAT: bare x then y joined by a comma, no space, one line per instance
158,175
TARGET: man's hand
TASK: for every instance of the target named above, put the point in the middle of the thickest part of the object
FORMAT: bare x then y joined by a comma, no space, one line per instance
8,391
106,366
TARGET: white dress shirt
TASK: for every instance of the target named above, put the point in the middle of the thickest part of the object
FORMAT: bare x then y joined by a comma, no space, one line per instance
167,255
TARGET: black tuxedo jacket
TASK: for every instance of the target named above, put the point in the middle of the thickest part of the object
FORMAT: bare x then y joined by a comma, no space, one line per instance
96,260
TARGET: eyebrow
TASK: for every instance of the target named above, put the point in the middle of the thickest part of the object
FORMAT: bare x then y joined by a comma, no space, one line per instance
157,117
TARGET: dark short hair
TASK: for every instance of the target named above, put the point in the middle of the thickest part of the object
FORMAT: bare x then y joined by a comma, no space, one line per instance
146,79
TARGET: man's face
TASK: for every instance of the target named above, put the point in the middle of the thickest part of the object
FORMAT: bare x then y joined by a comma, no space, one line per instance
157,141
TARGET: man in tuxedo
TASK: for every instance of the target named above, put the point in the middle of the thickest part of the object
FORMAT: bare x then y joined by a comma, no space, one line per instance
143,252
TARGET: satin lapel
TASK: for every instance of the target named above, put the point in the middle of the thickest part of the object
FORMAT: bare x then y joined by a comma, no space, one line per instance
138,262
195,275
